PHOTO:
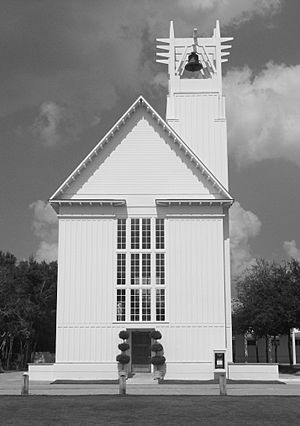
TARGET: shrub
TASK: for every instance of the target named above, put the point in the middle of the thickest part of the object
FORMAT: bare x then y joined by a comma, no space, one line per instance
123,346
123,358
124,334
156,347
158,360
155,334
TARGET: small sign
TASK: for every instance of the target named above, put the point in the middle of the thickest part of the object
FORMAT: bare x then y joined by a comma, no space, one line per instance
219,360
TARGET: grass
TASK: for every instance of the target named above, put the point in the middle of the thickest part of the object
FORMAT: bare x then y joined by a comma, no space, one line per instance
148,410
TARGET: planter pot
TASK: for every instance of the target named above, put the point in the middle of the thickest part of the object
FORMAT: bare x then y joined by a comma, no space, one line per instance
158,374
123,368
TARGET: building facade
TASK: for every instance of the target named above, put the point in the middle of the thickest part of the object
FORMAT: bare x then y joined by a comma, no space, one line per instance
143,231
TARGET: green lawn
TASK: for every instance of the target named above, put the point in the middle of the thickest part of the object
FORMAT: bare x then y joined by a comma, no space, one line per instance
149,410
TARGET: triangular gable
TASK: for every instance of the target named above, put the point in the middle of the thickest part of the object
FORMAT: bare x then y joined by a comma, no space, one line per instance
171,134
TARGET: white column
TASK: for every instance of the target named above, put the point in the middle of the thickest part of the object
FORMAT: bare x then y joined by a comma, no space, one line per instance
294,346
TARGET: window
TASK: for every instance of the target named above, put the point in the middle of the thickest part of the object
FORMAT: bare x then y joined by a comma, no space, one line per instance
135,233
121,305
146,234
160,304
135,268
140,292
121,268
134,305
146,305
159,234
146,268
121,234
160,268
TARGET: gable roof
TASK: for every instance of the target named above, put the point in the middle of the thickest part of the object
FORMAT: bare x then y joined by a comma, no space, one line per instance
142,103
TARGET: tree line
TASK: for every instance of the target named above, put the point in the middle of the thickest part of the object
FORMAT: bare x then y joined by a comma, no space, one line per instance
27,309
267,304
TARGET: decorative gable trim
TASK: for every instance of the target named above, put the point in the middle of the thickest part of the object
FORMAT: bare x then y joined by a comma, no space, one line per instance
105,202
141,102
165,202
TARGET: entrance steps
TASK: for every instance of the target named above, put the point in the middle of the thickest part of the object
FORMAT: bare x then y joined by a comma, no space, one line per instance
142,379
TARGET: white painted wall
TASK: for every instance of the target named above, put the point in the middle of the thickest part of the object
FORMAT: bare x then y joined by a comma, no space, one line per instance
195,326
141,160
200,121
85,287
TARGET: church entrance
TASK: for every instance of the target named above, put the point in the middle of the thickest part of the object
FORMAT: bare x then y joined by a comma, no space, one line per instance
140,351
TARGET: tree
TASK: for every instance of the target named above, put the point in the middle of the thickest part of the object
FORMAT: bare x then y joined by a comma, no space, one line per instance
268,294
27,308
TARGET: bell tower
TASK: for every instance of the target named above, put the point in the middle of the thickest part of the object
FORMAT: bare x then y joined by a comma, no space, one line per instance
195,103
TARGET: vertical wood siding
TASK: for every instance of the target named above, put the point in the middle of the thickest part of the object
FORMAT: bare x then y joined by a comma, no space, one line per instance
195,270
202,126
85,283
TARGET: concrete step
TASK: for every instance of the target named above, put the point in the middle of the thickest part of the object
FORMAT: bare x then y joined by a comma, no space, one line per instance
142,379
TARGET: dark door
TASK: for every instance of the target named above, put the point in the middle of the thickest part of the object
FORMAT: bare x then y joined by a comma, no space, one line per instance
140,351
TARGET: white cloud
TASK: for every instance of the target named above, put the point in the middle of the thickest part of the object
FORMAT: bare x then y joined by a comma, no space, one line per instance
49,123
291,249
244,225
233,11
263,113
45,228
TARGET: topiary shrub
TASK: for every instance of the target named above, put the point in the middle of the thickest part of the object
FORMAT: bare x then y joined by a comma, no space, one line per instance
156,347
123,358
155,334
158,360
123,346
124,334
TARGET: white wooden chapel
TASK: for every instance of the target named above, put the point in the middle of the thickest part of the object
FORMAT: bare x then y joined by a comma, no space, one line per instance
143,232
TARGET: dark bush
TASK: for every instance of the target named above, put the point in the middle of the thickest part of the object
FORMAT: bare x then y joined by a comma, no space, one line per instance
123,359
123,346
155,334
158,360
124,334
156,347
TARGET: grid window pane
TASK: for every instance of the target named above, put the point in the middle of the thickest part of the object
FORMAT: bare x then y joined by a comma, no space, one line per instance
146,268
121,234
160,234
146,234
146,305
121,305
134,305
135,269
160,304
135,233
121,269
160,268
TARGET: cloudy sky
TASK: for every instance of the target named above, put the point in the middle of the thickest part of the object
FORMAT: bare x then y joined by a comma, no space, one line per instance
70,68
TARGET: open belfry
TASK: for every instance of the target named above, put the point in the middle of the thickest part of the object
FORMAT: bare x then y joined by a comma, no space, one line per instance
143,232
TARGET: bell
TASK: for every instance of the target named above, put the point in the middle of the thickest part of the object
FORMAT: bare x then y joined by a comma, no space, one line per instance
193,63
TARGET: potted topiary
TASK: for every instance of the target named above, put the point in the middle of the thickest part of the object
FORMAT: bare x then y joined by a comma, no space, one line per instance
158,360
155,335
123,358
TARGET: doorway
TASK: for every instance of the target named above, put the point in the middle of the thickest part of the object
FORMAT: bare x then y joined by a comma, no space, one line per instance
140,351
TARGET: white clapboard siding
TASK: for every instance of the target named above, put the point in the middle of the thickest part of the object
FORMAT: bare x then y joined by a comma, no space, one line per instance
140,159
86,271
200,122
99,343
195,270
